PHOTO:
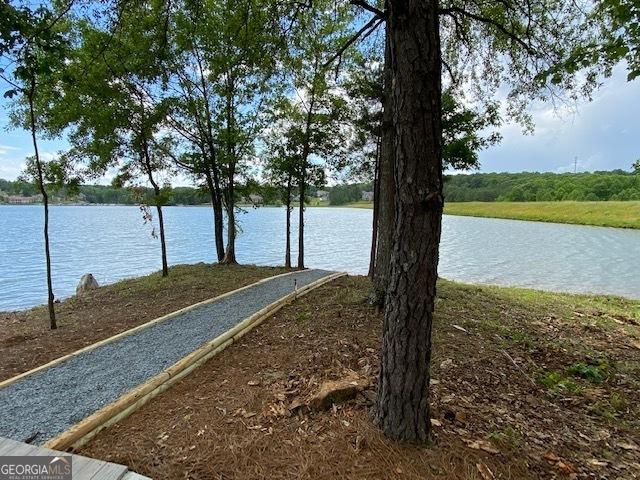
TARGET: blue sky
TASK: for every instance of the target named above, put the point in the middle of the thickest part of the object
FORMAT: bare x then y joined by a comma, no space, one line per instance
604,134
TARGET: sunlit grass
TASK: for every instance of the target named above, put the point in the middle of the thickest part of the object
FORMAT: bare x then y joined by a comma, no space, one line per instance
605,214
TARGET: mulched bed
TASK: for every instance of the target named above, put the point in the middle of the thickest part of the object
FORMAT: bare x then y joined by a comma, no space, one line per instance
27,342
525,385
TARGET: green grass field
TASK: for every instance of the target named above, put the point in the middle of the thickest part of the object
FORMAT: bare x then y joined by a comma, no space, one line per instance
603,214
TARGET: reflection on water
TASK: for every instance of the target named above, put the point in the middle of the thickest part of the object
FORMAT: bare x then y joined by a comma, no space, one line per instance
112,243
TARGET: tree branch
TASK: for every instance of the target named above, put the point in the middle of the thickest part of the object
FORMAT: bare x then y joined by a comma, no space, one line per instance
371,26
454,80
377,12
451,11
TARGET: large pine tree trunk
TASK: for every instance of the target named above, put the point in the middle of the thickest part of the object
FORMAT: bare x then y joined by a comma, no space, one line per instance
402,407
386,189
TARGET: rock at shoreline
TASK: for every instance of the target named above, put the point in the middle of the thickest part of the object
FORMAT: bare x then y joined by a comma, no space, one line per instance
87,282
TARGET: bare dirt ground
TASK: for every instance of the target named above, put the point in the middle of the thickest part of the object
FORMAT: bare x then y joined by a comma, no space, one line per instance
27,342
524,385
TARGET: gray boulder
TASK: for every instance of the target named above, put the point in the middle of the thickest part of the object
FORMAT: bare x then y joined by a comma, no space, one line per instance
87,282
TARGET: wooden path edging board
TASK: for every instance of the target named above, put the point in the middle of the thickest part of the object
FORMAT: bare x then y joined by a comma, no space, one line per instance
83,431
133,330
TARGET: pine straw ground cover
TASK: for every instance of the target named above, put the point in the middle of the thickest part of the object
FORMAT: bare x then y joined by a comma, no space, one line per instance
27,342
524,385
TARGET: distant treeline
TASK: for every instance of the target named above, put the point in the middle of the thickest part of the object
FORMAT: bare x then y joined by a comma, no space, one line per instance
520,187
480,187
106,194
348,193
539,187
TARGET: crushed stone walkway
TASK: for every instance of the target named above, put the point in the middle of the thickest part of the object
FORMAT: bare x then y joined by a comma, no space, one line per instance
40,406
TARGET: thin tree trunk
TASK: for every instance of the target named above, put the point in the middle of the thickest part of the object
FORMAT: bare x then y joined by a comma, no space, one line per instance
218,231
303,176
402,406
230,254
218,217
376,210
287,250
163,243
386,189
301,198
158,202
45,200
212,168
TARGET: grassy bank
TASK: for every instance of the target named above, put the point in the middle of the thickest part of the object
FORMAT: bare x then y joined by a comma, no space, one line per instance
525,385
26,341
604,214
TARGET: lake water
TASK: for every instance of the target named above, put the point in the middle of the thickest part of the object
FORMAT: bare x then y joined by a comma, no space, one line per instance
113,243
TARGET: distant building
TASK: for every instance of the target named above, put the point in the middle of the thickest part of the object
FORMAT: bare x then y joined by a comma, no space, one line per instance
20,200
322,195
256,199
367,196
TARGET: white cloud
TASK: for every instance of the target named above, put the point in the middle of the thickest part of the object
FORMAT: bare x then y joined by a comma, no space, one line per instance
602,134
6,149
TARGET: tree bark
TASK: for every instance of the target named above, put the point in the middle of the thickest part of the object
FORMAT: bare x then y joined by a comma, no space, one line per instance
163,243
146,159
158,200
306,148
230,254
212,172
45,200
301,198
386,188
218,226
402,406
287,250
376,210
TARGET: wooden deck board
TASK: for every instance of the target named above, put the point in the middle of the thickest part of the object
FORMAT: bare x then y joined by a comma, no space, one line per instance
84,468
110,471
7,447
89,468
14,448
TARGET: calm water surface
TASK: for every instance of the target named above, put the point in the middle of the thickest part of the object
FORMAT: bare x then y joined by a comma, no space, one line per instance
113,243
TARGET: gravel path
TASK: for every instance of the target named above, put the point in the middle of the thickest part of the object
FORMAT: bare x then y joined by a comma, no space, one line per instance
52,400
